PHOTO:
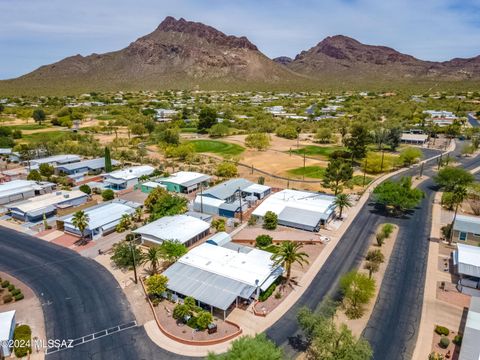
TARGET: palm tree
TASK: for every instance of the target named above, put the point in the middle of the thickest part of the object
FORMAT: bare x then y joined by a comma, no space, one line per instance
288,253
139,213
125,223
80,220
460,193
342,201
153,256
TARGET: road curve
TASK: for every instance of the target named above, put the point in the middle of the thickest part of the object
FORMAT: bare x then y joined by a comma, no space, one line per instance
79,297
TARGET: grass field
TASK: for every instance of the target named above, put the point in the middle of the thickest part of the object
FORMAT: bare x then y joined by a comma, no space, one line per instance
27,127
188,130
314,172
357,180
217,147
36,137
313,150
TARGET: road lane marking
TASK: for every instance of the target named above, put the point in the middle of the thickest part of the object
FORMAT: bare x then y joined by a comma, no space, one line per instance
92,337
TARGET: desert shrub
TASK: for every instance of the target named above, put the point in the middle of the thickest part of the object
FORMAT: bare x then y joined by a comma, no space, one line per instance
5,283
7,298
263,240
86,189
270,220
11,287
444,342
380,237
442,330
457,340
252,221
180,311
448,200
22,335
267,293
387,230
18,297
15,292
108,194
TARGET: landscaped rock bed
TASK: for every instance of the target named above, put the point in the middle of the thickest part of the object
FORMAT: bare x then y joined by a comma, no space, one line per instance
164,312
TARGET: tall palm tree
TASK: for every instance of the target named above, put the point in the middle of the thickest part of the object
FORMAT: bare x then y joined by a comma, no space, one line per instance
80,220
153,256
342,201
288,253
460,194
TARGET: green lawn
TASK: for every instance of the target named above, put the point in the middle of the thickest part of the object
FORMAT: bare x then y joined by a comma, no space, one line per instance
27,127
358,180
188,130
37,137
313,150
217,147
315,172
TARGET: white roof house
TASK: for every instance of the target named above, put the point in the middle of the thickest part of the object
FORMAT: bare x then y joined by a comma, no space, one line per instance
102,218
22,189
186,179
128,177
470,349
34,208
467,258
300,209
183,228
414,138
54,160
218,276
7,326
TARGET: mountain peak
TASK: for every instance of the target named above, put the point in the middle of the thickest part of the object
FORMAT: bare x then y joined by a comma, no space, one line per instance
210,34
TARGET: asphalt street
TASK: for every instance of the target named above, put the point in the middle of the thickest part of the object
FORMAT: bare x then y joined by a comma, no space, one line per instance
79,298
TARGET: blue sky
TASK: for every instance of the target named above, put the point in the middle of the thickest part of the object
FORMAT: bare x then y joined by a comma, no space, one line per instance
38,32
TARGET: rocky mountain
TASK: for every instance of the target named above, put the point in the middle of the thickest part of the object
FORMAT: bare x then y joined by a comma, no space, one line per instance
179,53
284,60
185,54
346,58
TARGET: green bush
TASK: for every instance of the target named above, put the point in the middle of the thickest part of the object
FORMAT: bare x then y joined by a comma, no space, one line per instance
15,292
203,319
108,195
263,240
7,298
270,220
180,311
11,287
380,237
19,297
444,342
22,335
85,188
442,330
5,283
387,230
457,340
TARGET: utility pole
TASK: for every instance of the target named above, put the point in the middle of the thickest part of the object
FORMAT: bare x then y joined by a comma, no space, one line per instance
383,155
201,197
421,169
252,169
364,171
134,261
241,209
303,164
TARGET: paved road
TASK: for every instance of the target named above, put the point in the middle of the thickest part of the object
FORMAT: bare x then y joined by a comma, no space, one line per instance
392,329
79,297
473,120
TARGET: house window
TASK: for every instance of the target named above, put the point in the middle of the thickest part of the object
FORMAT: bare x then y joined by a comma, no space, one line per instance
462,236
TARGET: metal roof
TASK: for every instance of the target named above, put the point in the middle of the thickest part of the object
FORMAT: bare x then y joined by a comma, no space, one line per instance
300,201
92,164
185,178
219,238
256,189
130,173
105,213
45,202
470,349
468,224
301,216
16,187
228,188
6,319
207,287
178,227
467,258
